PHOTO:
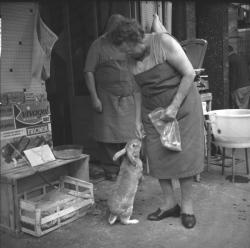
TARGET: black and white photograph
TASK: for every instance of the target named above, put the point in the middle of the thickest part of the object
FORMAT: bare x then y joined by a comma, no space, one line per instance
124,124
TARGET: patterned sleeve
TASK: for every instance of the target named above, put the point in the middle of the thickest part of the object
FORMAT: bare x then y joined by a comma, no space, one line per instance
92,58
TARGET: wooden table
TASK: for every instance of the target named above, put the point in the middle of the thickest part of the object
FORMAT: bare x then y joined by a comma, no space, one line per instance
17,181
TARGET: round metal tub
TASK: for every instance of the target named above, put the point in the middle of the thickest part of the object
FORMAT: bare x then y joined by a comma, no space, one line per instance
67,151
231,127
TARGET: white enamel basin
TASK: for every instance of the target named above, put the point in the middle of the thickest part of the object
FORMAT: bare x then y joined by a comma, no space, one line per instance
231,127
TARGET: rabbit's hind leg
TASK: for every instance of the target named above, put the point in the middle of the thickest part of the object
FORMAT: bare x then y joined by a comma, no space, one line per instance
125,217
112,219
127,221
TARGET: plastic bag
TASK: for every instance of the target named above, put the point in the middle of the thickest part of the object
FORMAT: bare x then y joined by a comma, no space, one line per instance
169,131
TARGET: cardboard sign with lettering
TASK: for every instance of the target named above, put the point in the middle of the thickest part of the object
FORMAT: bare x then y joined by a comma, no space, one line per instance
23,126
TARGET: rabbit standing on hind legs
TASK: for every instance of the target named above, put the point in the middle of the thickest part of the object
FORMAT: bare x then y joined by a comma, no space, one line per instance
121,199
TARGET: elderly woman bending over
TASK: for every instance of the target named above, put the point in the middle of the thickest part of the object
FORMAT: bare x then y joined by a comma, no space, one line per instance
165,77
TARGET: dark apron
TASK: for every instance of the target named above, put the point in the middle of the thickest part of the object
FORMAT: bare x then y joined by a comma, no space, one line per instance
159,86
115,88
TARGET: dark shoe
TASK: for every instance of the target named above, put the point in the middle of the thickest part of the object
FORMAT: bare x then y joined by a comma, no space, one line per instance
159,214
188,220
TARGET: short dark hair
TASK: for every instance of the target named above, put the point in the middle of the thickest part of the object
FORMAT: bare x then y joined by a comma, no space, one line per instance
127,30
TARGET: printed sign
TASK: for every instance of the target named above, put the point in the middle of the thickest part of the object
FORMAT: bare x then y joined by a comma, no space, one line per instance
27,127
30,114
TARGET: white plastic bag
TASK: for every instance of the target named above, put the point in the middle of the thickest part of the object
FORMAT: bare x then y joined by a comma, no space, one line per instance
169,131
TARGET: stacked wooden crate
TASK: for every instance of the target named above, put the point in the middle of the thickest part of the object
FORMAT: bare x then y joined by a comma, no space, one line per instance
48,207
34,198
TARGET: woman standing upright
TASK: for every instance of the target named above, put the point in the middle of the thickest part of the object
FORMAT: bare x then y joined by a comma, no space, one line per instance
112,92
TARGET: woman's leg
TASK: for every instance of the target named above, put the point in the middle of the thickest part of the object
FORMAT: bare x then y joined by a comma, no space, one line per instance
168,208
187,213
186,185
168,194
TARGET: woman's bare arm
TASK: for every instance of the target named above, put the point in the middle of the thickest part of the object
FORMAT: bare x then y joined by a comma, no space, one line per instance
178,59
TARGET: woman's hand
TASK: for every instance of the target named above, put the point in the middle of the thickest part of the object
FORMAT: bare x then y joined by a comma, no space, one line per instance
139,131
97,105
169,113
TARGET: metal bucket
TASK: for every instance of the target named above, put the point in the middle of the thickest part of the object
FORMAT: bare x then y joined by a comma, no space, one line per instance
231,127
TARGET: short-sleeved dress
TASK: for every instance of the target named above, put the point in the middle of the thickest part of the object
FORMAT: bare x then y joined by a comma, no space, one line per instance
159,85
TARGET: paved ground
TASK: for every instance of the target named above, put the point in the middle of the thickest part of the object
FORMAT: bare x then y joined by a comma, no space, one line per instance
222,211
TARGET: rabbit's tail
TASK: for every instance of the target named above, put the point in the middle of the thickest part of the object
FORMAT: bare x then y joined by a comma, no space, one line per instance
112,219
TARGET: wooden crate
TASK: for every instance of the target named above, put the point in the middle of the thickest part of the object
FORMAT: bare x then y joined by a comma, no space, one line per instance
15,183
49,207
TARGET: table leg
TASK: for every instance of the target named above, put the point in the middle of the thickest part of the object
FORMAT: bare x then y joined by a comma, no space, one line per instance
233,165
223,160
247,165
208,144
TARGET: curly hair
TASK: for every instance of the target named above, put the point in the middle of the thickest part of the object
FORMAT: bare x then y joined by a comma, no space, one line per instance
127,30
113,20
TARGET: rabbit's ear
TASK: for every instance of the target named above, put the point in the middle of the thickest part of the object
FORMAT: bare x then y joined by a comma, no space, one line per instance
119,154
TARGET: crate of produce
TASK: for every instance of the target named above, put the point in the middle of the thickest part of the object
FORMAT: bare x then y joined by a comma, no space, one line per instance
50,206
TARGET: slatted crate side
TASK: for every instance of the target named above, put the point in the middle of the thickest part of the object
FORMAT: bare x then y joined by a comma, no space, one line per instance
77,187
39,232
42,225
39,191
59,212
67,211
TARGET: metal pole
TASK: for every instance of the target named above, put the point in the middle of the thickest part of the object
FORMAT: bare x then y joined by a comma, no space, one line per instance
168,16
